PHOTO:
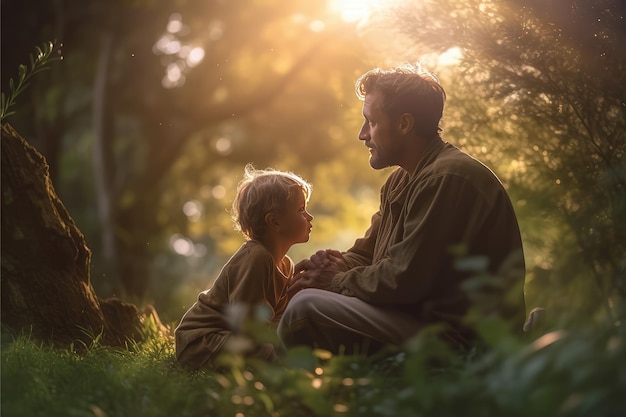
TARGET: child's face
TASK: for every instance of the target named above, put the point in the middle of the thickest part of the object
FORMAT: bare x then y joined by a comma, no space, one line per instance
295,221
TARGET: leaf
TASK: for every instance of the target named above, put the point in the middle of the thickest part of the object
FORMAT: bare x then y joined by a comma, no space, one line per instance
38,70
36,65
22,72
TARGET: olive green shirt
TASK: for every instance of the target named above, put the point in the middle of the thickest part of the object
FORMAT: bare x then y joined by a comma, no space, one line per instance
407,260
248,280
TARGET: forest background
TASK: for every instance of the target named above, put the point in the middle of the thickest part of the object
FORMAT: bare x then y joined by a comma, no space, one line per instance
149,118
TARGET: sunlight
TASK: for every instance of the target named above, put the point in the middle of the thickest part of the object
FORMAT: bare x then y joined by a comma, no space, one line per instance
451,57
360,10
352,10
448,58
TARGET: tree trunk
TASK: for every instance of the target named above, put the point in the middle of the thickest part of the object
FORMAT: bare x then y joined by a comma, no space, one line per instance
103,166
46,291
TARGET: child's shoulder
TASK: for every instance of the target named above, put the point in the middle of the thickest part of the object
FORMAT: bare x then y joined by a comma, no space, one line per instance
253,250
251,256
254,246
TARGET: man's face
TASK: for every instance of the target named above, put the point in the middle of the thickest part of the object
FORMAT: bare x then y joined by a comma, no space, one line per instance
380,133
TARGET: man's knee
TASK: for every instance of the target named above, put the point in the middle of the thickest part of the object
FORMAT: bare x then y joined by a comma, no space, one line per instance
297,325
303,305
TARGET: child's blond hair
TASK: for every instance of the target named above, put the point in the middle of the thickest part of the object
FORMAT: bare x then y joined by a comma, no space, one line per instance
261,192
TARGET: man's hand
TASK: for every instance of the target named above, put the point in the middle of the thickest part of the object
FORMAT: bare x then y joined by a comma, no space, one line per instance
329,258
318,271
316,278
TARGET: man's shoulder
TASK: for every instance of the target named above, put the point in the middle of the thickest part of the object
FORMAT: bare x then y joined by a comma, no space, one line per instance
450,152
452,160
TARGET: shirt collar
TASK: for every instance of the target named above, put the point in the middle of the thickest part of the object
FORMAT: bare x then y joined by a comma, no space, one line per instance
430,153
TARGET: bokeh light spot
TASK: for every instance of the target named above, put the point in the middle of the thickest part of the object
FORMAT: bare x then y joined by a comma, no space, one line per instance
317,26
175,23
224,146
181,245
196,55
218,192
193,210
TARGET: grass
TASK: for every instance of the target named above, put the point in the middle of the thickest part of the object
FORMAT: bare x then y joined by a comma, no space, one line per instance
40,381
574,373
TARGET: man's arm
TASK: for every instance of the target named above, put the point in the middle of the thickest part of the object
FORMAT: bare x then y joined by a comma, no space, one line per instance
438,215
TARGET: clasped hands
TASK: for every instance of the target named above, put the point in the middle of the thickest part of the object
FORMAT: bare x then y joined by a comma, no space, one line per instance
317,271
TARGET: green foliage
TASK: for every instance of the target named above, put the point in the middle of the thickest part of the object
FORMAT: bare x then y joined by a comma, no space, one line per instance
44,55
574,373
539,96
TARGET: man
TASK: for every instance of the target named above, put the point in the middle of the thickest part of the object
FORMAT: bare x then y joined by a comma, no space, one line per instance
440,207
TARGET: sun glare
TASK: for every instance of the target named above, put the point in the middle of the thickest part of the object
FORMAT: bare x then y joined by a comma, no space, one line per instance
353,10
451,57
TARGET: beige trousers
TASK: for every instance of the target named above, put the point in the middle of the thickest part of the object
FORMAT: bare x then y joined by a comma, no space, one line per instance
342,324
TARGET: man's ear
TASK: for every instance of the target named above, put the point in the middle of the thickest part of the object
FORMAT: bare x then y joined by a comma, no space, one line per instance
272,221
406,123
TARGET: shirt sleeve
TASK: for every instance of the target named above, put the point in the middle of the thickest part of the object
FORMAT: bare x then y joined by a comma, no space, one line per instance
436,216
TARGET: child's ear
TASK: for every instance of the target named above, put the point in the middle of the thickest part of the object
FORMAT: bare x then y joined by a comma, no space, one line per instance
272,221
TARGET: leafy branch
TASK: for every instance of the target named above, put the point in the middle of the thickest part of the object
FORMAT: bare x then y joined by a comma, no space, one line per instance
47,53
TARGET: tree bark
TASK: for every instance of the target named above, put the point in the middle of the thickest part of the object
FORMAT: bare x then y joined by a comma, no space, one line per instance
45,282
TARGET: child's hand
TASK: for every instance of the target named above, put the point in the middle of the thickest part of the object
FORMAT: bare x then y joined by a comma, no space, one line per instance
303,265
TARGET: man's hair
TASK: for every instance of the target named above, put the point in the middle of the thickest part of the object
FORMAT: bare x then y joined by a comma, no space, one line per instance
407,89
261,192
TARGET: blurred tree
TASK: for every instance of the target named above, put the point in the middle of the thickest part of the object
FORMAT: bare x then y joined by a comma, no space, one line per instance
541,95
165,98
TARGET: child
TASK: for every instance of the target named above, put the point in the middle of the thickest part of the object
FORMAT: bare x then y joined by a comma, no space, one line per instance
270,211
